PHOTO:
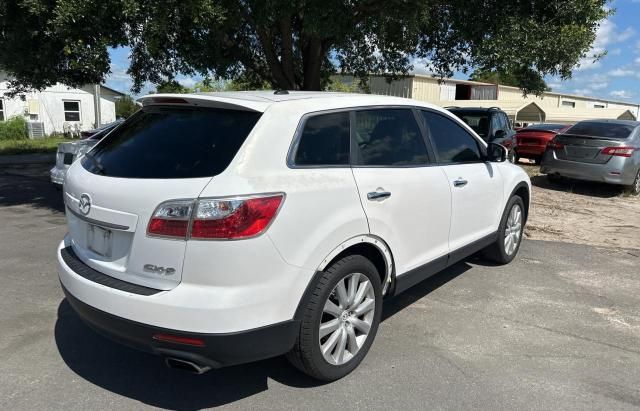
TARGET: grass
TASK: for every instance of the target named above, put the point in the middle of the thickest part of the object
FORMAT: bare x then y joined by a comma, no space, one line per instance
45,145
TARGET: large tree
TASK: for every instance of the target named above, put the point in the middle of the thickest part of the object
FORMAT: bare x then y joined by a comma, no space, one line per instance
291,44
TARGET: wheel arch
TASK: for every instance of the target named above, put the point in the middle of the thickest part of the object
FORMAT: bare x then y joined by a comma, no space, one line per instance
522,190
371,247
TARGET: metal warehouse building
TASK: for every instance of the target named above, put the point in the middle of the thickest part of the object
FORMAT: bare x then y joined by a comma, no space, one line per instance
550,107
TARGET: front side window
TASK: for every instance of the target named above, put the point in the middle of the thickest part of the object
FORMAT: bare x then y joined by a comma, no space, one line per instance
324,141
172,142
71,110
453,144
389,137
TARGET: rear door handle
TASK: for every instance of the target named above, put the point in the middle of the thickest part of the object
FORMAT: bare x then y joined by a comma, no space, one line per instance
378,195
460,182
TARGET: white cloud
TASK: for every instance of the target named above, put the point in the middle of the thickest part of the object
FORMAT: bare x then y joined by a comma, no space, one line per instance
615,52
581,91
599,86
622,72
623,94
185,81
637,60
606,35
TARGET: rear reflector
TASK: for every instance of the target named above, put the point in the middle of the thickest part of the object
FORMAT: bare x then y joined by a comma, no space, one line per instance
619,151
196,342
169,100
555,145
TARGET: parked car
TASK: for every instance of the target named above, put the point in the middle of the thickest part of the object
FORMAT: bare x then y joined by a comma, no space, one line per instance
217,229
491,124
596,150
111,125
70,151
532,141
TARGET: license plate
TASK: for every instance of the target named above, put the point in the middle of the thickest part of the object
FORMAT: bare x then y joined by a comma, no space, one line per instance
99,240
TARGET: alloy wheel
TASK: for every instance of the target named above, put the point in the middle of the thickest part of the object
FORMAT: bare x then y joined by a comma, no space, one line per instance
347,317
513,230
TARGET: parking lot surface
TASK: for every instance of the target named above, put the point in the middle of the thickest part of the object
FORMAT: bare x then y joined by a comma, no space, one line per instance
559,328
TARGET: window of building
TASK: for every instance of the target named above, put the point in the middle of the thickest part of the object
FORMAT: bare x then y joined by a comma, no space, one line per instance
324,141
1,110
453,144
389,137
71,110
566,103
598,106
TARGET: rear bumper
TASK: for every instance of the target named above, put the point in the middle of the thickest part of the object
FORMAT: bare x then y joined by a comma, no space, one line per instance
615,171
218,350
530,150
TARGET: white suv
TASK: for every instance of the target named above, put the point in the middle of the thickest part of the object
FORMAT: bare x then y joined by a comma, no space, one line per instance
217,229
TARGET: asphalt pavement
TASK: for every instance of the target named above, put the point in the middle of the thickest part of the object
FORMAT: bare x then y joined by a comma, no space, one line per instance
559,328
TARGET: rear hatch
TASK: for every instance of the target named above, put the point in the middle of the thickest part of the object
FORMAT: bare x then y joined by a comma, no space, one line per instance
161,153
534,137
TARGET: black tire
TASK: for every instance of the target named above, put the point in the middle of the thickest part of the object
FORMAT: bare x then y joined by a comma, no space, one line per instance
306,354
512,157
537,161
634,188
496,252
517,159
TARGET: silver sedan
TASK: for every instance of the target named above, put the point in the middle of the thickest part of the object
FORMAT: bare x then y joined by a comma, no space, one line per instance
596,150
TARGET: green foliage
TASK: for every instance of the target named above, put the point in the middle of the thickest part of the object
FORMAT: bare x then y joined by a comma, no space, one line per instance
45,145
293,44
15,128
338,85
125,107
533,79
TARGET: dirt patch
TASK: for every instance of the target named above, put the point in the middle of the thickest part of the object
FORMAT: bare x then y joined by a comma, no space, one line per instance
582,212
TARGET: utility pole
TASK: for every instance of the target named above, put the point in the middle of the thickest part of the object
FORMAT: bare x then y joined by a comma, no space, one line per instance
96,105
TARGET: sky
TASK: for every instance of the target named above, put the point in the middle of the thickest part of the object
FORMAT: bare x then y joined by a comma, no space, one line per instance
616,76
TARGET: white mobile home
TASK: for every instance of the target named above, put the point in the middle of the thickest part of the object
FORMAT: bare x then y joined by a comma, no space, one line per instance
59,108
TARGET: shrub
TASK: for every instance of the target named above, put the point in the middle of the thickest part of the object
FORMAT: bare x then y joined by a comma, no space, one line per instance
15,128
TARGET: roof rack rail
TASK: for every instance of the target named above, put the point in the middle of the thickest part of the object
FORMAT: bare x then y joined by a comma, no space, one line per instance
495,108
280,92
448,107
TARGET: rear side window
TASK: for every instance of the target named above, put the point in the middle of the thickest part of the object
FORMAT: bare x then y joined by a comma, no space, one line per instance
172,142
324,141
389,137
453,144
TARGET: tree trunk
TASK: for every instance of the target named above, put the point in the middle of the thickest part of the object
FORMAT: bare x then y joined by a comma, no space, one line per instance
312,63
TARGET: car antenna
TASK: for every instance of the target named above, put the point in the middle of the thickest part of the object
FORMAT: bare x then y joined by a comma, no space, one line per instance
280,92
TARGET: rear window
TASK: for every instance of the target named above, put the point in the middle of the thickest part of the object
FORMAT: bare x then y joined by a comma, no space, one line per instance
172,142
478,122
551,127
605,130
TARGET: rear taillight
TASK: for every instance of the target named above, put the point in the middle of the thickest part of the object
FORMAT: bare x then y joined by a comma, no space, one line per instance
554,145
619,151
215,218
234,218
171,219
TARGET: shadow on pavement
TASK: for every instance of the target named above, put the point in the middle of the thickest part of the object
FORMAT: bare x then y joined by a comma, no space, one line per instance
585,188
29,184
145,378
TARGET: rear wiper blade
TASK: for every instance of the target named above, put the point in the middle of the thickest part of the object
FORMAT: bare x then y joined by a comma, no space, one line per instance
97,163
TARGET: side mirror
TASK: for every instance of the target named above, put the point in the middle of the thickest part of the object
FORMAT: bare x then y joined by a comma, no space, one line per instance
496,153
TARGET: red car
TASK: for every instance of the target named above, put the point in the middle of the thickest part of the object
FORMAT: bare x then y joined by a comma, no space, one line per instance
532,141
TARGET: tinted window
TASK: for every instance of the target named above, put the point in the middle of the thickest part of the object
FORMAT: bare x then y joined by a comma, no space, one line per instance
169,142
324,140
595,129
389,138
478,122
453,143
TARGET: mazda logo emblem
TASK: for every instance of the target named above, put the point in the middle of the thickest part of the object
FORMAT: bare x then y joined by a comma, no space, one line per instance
85,204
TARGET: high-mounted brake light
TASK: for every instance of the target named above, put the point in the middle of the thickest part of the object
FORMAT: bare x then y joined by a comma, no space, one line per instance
215,219
169,100
619,151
